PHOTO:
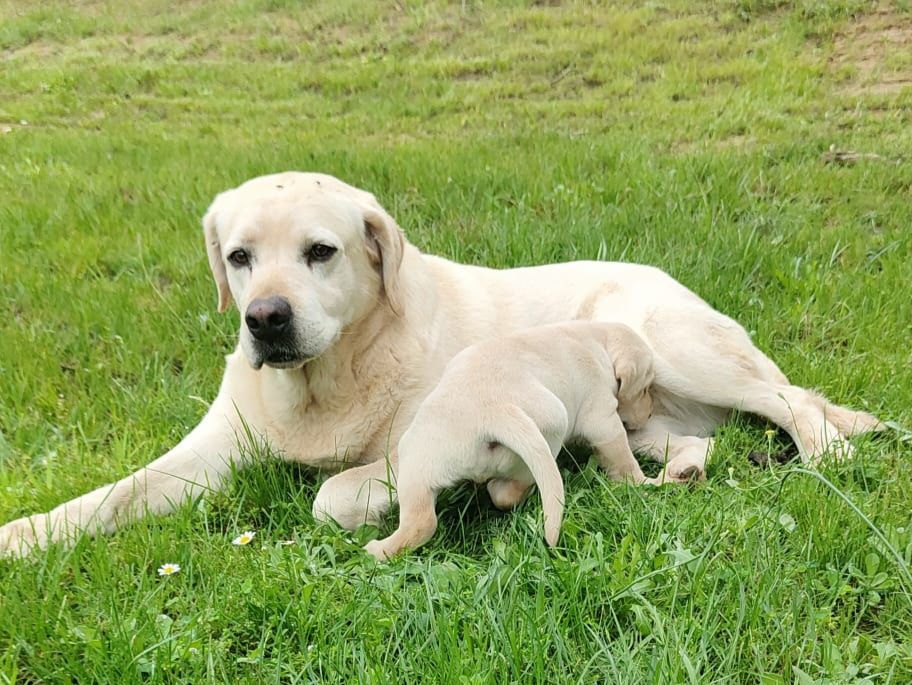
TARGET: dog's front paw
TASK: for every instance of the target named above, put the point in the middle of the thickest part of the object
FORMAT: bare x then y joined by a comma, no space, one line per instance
351,502
21,536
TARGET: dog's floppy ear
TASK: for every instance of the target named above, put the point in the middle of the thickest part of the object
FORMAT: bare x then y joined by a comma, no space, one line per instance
386,246
216,263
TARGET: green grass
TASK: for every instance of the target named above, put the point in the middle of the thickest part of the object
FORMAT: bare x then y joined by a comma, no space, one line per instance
689,135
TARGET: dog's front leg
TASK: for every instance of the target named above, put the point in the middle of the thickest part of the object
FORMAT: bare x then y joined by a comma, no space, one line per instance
198,463
359,495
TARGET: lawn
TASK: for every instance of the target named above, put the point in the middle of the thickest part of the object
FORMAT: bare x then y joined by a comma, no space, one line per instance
758,150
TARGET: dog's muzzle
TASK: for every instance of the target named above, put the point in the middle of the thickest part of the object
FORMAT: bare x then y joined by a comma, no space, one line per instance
269,320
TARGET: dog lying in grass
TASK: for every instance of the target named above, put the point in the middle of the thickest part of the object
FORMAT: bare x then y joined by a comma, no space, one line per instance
346,326
504,407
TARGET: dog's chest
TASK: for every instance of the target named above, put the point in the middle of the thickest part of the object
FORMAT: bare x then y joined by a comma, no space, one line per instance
330,437
364,427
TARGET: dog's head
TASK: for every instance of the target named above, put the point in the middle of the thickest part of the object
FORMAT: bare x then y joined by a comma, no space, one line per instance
303,256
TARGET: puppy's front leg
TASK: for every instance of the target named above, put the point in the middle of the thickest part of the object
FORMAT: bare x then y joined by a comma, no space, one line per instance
605,432
198,463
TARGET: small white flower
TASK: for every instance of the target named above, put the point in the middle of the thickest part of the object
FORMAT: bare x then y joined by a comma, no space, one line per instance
244,538
168,569
285,543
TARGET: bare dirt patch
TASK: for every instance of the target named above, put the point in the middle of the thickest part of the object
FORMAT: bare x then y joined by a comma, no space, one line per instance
876,49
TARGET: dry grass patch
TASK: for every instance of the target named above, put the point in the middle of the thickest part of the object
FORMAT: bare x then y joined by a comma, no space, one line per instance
876,50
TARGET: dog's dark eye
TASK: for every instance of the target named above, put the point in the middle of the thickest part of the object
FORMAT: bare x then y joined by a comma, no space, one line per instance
239,258
319,252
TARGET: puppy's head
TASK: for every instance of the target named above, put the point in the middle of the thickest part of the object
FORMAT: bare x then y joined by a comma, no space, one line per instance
303,256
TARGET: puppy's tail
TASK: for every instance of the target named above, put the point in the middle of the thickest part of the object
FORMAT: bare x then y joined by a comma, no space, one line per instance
519,433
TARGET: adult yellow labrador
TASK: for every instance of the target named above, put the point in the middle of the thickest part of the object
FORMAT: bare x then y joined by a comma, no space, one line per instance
346,327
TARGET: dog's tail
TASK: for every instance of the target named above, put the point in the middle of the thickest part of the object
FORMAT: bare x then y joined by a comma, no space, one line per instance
850,422
519,433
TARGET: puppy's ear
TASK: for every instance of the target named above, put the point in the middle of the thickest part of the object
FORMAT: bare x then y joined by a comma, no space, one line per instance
386,246
216,263
633,370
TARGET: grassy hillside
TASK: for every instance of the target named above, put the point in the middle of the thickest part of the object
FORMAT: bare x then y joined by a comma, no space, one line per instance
758,150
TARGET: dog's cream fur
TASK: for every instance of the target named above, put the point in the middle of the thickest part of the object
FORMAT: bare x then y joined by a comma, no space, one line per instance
375,327
504,407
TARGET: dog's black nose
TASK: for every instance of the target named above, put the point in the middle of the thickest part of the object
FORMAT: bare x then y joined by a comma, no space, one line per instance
268,318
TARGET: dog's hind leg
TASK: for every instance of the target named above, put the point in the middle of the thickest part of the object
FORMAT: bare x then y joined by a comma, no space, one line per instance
721,367
850,421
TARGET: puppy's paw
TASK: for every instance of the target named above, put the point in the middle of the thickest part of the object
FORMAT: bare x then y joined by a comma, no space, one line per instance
351,502
506,494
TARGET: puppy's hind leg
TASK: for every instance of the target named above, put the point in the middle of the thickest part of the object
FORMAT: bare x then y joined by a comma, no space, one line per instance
422,474
506,493
417,523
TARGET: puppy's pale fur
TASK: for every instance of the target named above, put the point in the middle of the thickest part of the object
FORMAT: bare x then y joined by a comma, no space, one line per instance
374,327
504,407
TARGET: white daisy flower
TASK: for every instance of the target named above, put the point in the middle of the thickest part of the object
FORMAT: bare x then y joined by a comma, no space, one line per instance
244,538
168,569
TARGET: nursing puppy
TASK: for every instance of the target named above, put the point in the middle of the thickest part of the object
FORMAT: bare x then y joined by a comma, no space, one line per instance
504,408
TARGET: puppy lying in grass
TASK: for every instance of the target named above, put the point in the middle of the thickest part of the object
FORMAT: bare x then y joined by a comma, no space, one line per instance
504,407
